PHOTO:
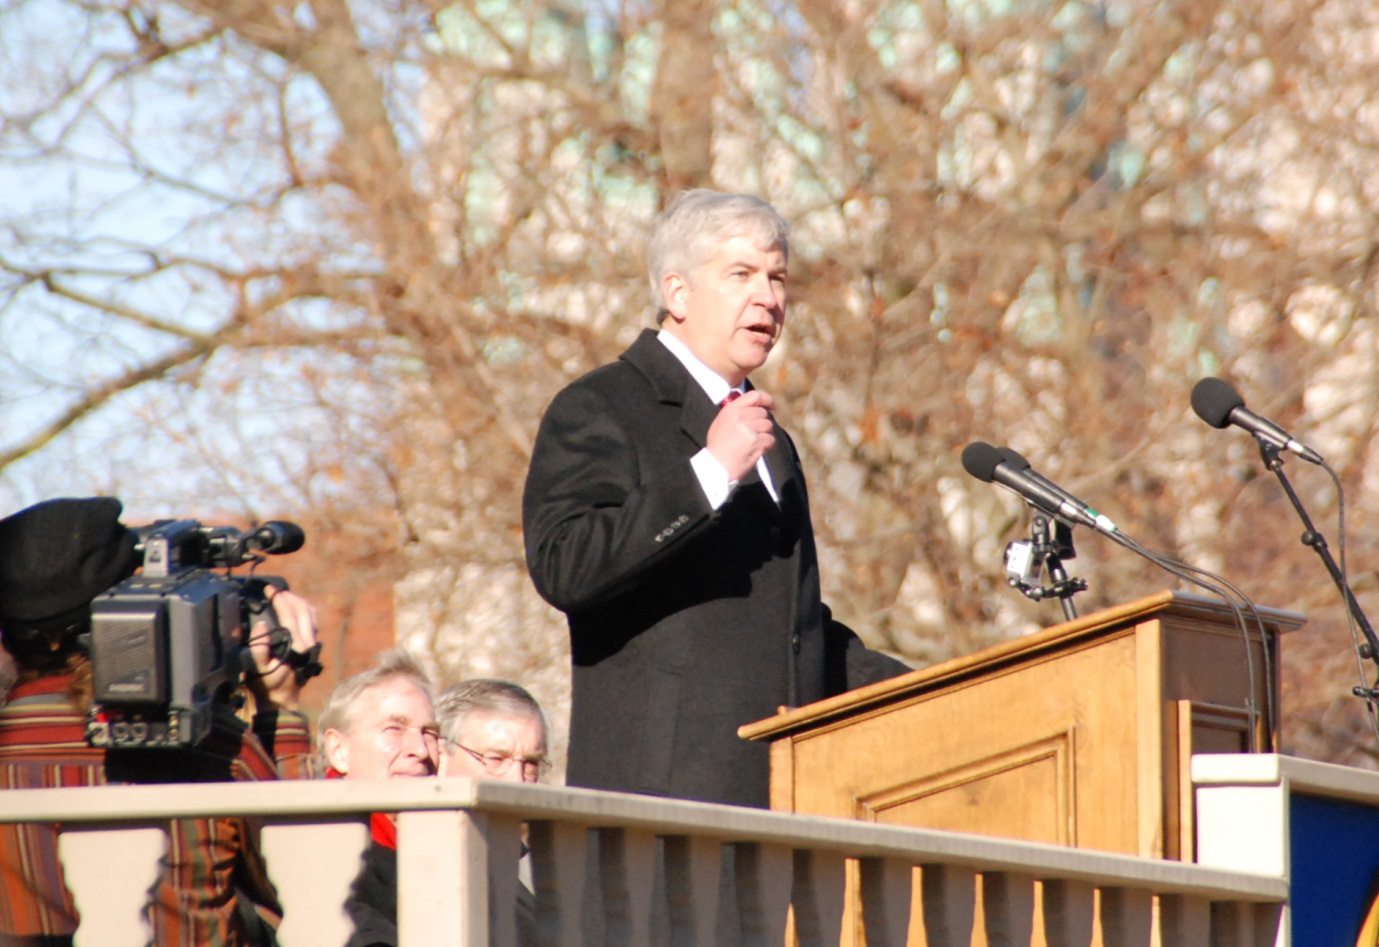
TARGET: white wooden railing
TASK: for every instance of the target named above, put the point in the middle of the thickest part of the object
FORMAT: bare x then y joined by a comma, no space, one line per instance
609,868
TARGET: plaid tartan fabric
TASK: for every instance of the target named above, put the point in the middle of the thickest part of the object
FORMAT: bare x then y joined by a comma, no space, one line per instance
212,863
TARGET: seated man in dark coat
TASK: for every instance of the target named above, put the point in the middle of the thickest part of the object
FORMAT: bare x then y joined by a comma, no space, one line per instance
380,724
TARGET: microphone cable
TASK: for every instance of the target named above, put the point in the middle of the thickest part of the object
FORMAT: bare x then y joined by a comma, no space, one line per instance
1239,603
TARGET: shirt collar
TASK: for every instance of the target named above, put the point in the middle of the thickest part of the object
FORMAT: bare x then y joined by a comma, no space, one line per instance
713,384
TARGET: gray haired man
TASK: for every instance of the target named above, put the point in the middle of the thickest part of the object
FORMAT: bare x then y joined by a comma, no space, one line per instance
492,729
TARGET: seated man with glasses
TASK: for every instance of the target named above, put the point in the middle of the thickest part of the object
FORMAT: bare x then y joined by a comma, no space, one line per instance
380,724
493,729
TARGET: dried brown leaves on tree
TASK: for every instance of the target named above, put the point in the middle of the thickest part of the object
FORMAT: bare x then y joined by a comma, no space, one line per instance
336,257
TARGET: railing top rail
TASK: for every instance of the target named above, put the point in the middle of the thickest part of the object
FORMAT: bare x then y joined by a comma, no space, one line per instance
1308,777
330,799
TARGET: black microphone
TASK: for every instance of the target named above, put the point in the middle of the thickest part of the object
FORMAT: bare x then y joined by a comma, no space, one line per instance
1217,403
1006,467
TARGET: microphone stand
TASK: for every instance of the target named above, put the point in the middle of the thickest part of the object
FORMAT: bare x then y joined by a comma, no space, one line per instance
1310,537
1025,563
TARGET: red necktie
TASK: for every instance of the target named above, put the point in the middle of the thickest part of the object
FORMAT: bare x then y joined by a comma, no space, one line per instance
729,398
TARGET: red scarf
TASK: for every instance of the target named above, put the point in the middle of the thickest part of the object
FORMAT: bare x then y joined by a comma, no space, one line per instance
382,828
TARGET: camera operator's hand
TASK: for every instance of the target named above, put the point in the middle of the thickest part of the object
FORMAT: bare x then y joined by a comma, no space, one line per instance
276,685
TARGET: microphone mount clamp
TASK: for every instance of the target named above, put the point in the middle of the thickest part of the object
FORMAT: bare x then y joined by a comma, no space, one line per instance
1027,561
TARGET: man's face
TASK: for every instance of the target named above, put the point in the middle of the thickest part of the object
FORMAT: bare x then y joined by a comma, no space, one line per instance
730,309
497,746
392,733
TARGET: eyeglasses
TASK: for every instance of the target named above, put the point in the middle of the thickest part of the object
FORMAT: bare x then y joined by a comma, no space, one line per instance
497,764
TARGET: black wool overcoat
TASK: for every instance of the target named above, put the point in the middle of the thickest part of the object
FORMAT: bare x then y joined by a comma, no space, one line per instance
685,622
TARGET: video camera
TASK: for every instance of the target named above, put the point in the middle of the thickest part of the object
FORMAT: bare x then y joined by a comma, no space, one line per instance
168,643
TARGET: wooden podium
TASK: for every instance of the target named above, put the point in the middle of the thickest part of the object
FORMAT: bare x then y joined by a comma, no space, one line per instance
1078,735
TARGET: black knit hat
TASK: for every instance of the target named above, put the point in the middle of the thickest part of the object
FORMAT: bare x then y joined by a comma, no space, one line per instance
58,555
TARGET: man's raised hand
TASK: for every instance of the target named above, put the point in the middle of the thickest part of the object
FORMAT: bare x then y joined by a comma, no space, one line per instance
741,434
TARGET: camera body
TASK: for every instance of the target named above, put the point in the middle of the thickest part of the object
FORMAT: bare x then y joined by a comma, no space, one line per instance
170,642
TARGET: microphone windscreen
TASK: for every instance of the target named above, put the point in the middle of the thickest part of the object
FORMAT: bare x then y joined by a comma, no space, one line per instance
279,537
981,460
1214,400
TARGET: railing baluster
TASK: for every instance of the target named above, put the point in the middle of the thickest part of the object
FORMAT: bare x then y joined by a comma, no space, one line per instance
763,897
693,866
312,865
1069,908
1268,918
1127,917
560,853
887,892
504,834
1236,924
627,868
1007,907
110,873
949,901
1232,925
1184,921
818,895
445,866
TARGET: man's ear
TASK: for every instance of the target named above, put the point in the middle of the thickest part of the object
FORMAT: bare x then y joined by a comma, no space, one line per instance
675,290
337,752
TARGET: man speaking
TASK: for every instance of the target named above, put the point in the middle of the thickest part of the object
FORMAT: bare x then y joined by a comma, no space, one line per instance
666,514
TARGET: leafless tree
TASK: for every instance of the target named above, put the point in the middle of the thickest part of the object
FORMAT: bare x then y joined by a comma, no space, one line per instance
335,258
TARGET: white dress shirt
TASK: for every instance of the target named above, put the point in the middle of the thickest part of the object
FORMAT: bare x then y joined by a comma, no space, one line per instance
712,476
